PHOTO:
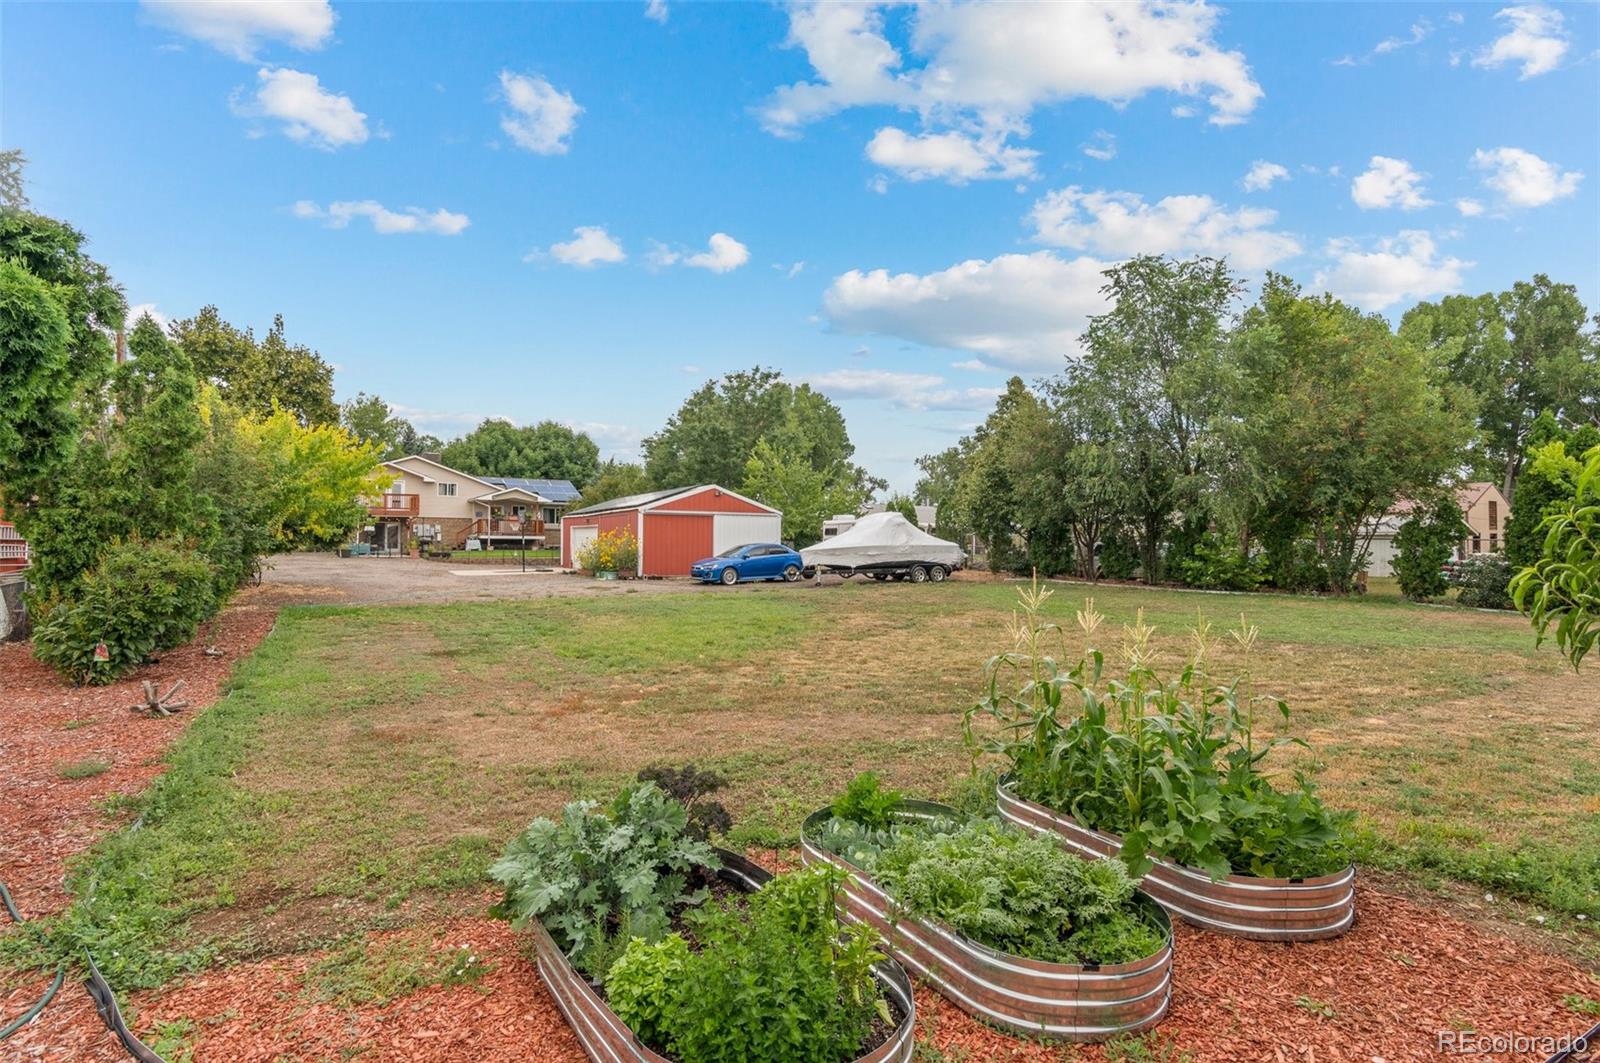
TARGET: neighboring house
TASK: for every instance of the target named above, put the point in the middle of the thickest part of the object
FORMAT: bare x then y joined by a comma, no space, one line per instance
431,502
13,549
1483,507
927,517
674,528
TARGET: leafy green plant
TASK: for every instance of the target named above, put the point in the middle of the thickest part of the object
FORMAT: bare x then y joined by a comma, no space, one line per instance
1172,765
867,803
1582,1005
140,599
84,769
375,972
773,978
1221,565
583,874
1563,587
690,787
1424,543
1012,890
1485,581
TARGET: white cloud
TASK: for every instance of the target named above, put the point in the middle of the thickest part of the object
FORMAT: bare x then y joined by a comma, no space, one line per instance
656,10
1119,224
310,114
1537,38
614,440
139,310
1419,32
541,117
240,27
1102,147
791,271
911,391
590,246
1183,110
1405,266
1523,179
339,215
1021,311
955,157
980,70
1389,183
1262,174
723,254
1469,208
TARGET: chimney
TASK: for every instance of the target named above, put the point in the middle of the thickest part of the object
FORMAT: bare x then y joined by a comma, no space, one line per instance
431,456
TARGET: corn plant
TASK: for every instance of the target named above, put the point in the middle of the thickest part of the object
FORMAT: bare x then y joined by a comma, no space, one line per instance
1174,766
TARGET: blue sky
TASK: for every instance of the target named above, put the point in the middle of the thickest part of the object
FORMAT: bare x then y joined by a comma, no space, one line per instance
581,212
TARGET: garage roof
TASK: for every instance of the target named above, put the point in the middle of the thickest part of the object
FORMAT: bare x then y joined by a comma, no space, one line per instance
650,499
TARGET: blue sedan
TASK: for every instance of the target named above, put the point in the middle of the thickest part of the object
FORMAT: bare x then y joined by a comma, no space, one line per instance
753,561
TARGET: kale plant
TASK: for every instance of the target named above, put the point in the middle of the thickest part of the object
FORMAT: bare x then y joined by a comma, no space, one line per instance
774,978
690,787
596,870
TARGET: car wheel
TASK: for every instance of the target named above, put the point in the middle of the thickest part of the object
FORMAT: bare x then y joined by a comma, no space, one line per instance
730,576
919,574
791,573
937,573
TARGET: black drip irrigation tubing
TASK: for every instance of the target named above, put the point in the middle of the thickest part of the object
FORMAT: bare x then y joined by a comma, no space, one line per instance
1578,1048
105,1001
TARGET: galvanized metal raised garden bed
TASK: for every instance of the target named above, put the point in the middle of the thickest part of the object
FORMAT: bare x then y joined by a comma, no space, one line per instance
607,1039
1265,909
1055,1000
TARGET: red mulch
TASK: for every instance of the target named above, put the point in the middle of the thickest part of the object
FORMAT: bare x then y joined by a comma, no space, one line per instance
46,724
1403,974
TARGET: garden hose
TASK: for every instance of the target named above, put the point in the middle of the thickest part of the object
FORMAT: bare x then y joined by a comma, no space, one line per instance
49,994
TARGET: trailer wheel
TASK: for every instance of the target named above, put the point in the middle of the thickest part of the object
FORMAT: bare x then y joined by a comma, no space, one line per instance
880,576
937,573
791,573
919,574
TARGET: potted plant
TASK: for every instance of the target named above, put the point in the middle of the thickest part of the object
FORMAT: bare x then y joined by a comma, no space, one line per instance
610,553
1171,775
1010,926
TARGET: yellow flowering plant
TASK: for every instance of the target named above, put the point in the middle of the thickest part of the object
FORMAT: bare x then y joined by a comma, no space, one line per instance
611,551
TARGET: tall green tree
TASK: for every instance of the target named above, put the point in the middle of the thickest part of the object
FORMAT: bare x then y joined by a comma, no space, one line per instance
1425,542
158,399
54,252
616,479
1156,361
1547,484
37,426
259,376
1340,417
806,496
371,420
13,186
1521,352
544,450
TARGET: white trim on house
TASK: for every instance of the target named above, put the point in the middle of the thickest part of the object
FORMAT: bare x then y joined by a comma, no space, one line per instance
446,468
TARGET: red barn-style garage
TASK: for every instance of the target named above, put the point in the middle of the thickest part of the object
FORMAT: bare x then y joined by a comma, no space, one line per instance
675,528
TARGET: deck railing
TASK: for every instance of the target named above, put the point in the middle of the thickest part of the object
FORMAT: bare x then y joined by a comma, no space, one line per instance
13,549
395,505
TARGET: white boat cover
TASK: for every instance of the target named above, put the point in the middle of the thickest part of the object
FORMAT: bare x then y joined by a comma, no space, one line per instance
879,539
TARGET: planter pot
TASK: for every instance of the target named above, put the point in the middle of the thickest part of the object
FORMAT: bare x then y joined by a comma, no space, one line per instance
605,574
1264,909
607,1039
1062,1001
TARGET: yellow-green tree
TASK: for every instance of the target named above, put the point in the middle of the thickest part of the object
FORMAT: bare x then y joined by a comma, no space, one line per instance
315,476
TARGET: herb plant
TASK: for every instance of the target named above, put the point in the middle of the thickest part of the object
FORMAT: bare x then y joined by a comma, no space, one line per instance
600,876
774,978
867,803
1175,766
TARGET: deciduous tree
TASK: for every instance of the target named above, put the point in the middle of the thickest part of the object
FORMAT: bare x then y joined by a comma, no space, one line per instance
545,450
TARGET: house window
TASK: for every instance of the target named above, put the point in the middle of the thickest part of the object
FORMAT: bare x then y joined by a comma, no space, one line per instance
1494,543
1494,517
447,490
1477,545
549,514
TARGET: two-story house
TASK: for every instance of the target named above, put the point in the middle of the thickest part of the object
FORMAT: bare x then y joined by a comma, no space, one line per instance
1484,509
431,502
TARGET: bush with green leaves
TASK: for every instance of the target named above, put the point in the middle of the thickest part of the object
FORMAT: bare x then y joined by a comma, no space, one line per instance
1423,544
1485,582
141,598
1012,890
1562,588
598,874
692,788
1174,766
867,803
1220,565
773,977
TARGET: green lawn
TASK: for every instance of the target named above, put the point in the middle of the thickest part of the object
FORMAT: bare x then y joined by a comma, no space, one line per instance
543,553
345,785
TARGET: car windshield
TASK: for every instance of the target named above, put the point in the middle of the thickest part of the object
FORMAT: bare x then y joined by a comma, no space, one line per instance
734,551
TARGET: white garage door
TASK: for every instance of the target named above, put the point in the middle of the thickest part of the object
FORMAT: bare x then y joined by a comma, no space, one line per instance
736,529
581,537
